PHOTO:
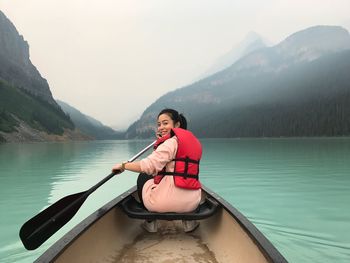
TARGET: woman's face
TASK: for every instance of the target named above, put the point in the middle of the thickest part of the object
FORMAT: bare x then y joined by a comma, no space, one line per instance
165,124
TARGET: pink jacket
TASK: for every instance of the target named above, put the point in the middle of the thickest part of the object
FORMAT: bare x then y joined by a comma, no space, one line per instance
165,196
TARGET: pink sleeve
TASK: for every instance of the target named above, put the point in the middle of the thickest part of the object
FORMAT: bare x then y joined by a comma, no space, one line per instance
157,160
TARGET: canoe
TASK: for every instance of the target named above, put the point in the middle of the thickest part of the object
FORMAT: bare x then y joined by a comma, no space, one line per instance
114,234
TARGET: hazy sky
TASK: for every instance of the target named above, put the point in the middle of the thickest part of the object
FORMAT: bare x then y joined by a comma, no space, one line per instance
112,58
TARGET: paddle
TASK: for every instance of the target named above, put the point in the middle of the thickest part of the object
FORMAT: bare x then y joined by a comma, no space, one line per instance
41,227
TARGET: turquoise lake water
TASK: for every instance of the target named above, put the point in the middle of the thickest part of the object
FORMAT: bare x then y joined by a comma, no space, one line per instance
296,191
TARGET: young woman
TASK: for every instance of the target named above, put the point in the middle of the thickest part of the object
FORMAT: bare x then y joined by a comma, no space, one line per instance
169,176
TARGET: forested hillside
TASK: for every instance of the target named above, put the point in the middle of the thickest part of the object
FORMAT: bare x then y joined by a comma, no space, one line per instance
17,105
28,111
308,100
89,125
300,87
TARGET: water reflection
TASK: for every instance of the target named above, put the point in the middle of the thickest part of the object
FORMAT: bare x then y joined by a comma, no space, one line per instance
91,162
33,176
303,183
27,173
94,162
296,191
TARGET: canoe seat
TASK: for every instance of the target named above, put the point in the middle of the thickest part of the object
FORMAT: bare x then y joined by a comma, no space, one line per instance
134,209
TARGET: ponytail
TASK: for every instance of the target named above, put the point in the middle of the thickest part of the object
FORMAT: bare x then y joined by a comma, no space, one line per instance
183,121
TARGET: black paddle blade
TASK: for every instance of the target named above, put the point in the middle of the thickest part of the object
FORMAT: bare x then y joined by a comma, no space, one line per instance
41,227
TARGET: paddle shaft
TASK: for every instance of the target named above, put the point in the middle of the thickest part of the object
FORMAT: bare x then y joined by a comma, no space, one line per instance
92,189
42,226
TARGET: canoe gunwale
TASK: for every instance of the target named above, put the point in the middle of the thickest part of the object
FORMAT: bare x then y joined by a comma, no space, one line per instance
265,246
58,248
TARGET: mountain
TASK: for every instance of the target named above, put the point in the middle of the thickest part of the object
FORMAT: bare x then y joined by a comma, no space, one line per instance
25,117
89,125
15,65
299,87
28,111
250,43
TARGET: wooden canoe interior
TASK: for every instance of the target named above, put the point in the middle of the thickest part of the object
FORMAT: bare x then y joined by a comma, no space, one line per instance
117,238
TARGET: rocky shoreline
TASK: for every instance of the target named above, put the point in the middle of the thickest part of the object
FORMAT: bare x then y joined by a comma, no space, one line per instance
25,133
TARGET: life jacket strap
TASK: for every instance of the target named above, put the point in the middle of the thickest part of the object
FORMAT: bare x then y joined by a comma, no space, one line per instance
186,160
185,175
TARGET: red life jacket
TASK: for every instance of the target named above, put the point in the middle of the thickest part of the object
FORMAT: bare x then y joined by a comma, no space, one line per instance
188,155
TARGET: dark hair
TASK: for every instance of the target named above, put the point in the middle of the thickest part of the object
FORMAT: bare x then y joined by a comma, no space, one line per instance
176,117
